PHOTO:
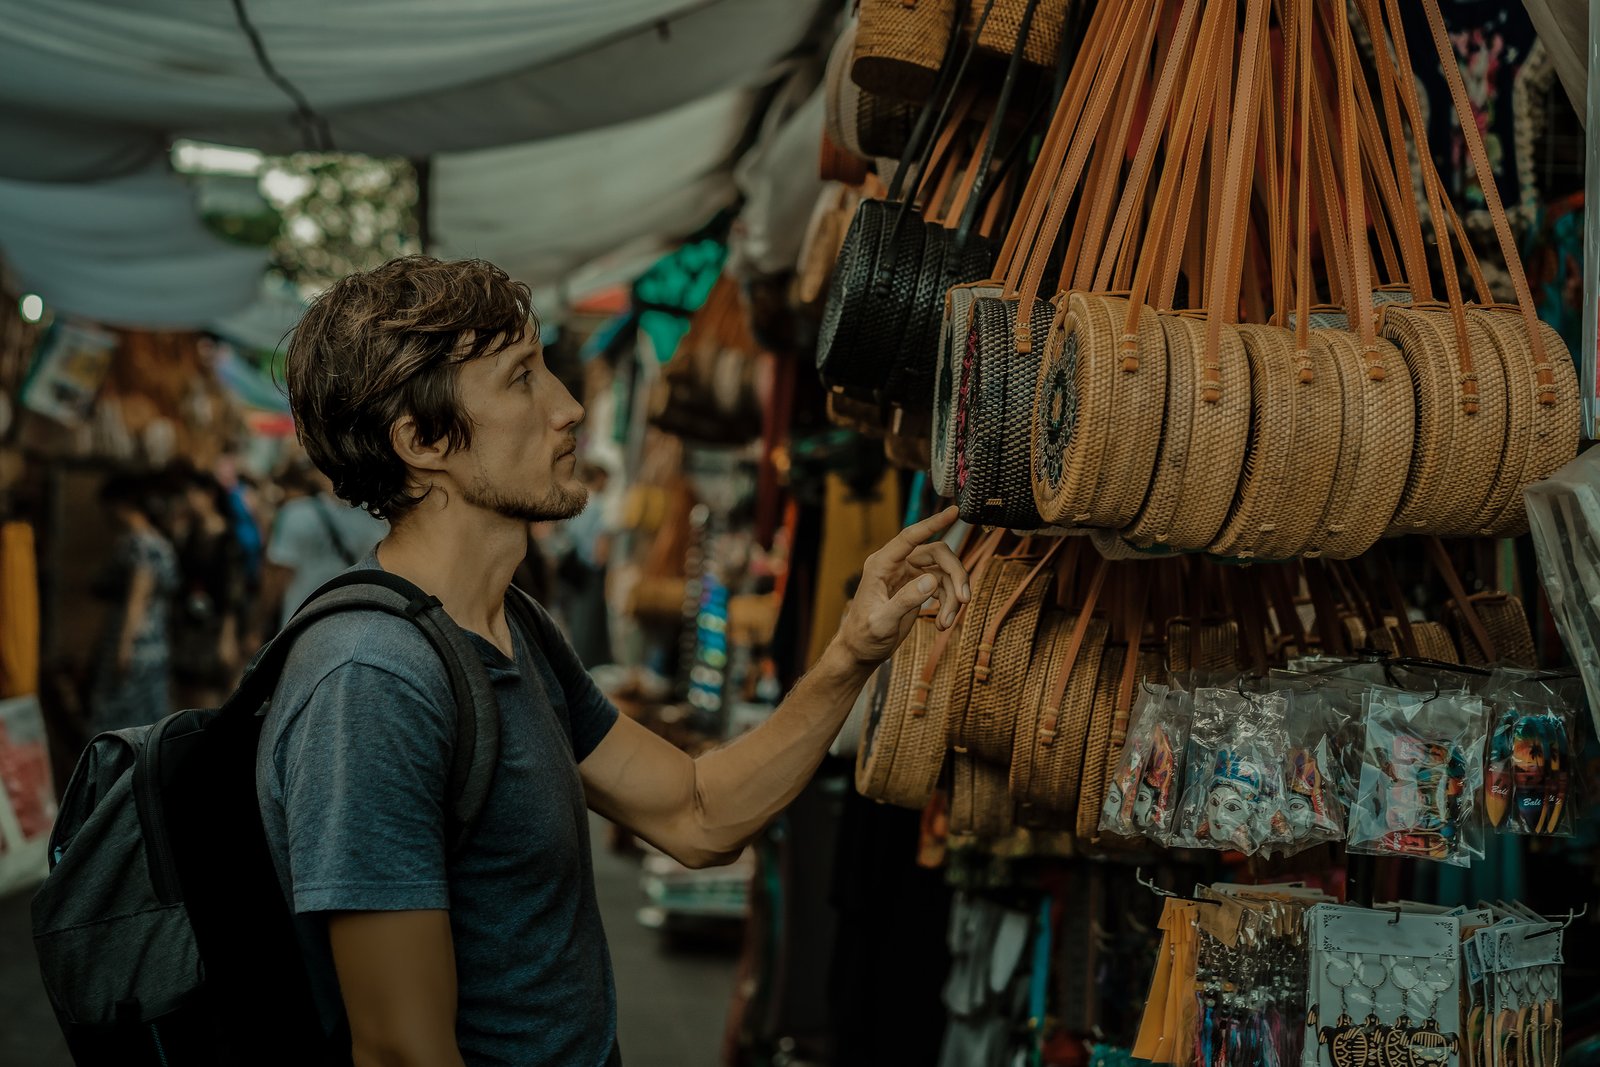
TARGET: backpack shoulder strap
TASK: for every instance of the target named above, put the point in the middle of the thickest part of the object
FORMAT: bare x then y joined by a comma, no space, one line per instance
477,743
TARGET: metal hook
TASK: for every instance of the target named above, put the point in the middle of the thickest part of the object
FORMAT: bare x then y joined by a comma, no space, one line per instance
1148,883
1571,918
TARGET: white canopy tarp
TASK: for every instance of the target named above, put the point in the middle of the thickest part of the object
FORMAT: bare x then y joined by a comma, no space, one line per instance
543,210
622,115
127,251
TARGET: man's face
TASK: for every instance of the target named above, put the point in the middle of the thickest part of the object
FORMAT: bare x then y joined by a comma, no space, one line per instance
522,463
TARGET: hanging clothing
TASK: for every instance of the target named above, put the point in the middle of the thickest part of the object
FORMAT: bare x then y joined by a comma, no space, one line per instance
19,611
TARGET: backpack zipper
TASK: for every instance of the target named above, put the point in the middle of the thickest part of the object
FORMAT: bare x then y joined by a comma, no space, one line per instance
147,793
161,1052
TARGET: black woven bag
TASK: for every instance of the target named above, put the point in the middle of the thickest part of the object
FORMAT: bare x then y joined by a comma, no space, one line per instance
876,278
994,416
953,256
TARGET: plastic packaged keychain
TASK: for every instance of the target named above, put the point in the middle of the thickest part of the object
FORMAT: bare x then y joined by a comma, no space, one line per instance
1533,748
1322,726
1233,785
1141,798
1421,775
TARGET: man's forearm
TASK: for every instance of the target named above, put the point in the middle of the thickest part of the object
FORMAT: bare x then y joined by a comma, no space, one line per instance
741,786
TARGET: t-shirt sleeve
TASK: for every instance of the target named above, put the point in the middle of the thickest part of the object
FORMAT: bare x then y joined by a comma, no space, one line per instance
590,713
364,768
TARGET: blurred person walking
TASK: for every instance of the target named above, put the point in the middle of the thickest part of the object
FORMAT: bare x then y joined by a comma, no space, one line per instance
129,675
210,611
315,536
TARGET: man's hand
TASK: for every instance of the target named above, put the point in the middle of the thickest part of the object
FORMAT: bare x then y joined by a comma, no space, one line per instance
895,581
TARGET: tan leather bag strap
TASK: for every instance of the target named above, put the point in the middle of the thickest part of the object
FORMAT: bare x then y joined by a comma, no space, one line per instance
991,633
1100,99
1092,248
1397,600
1399,156
1491,196
1174,63
1441,228
1138,605
1458,592
1227,262
1019,242
1358,302
923,687
1080,631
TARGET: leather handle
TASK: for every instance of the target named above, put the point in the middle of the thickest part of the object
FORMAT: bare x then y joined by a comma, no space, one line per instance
1469,613
1080,631
1139,604
991,633
923,687
1397,600
1434,192
1491,196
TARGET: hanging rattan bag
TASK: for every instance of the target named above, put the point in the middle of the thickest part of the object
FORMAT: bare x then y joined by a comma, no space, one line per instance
900,45
903,745
1047,756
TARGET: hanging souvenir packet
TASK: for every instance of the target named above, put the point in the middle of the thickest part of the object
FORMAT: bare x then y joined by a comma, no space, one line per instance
1533,748
1518,1019
1143,794
1385,987
1421,776
1320,768
1233,773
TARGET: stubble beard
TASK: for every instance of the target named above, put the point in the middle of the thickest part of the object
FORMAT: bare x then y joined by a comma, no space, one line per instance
561,502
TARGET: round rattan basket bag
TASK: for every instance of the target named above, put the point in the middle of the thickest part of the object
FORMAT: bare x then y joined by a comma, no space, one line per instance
1379,431
1047,756
1294,447
1097,413
1202,446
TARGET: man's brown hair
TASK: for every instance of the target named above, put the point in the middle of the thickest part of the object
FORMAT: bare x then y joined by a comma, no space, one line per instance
386,343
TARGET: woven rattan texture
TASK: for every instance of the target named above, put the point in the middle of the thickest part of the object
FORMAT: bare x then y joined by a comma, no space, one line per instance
994,487
903,751
1456,453
1046,767
1202,446
953,332
900,47
1379,429
1506,621
992,709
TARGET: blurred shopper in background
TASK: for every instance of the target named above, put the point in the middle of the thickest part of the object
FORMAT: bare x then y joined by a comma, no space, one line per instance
129,680
584,554
315,536
209,612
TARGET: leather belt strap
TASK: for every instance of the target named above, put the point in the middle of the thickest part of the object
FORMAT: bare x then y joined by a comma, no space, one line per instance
1469,613
1080,630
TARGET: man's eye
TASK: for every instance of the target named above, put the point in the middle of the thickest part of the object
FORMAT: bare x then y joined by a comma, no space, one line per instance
522,378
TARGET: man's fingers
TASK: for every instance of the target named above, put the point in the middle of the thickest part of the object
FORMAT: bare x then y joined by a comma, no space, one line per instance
912,537
911,597
938,555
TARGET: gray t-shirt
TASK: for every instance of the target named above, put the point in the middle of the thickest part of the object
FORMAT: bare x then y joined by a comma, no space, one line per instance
352,774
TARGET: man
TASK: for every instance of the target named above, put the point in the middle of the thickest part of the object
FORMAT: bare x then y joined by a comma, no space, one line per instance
420,388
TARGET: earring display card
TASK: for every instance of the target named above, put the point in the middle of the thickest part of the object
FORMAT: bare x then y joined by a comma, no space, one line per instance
1384,988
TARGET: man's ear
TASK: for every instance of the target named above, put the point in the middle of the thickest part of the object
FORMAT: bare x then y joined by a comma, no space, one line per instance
413,451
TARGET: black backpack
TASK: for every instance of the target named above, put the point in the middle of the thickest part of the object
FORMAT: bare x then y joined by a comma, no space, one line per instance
162,932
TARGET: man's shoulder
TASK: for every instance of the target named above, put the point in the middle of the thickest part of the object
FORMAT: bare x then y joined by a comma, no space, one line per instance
371,643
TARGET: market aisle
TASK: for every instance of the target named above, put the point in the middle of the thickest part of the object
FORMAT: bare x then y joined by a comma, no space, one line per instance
672,1005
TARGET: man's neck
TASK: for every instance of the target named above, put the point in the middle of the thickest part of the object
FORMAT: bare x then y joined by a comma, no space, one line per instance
464,557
